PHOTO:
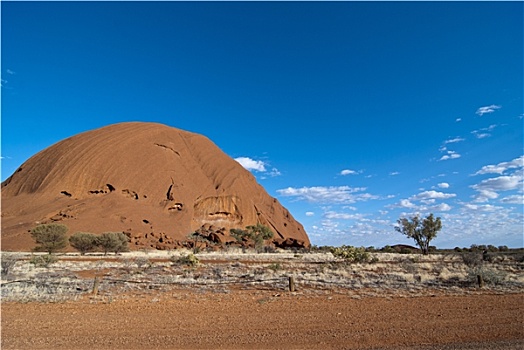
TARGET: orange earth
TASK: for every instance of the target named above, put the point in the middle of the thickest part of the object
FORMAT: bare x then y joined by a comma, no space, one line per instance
261,319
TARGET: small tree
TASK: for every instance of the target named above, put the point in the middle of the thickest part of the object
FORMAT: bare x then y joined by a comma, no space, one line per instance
83,242
259,233
256,233
50,237
113,242
421,230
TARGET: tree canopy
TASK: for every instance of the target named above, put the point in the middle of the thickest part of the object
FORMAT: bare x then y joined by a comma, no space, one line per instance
420,230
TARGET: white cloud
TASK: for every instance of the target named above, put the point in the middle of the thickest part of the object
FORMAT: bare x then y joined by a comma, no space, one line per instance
454,140
500,168
443,185
341,216
9,71
481,135
514,199
450,155
484,207
432,195
348,172
405,203
442,207
309,213
331,194
487,109
251,164
394,173
458,120
274,172
501,183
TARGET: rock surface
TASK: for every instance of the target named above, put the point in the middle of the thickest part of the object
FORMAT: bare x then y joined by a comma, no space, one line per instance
153,182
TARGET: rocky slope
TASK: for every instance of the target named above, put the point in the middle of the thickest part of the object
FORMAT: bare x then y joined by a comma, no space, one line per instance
153,182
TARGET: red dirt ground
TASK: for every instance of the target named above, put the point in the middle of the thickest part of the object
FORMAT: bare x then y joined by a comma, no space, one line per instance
267,320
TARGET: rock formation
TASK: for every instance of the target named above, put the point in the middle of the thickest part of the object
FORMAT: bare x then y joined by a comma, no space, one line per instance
155,183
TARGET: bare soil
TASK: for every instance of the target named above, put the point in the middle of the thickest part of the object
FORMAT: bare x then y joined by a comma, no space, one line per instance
261,319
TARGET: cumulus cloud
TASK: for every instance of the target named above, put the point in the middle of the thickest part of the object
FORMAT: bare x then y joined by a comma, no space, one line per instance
502,167
251,164
331,194
405,203
309,213
483,207
487,109
500,183
443,185
513,199
450,155
348,172
458,120
442,207
394,173
432,195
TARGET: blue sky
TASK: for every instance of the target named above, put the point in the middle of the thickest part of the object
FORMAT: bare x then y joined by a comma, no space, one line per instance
352,114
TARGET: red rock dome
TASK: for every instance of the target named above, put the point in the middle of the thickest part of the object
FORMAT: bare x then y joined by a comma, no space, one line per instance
152,181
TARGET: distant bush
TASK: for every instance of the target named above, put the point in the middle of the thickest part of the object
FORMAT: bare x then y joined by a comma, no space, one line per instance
43,260
83,242
8,262
189,260
489,276
113,242
275,267
351,254
388,249
50,237
472,259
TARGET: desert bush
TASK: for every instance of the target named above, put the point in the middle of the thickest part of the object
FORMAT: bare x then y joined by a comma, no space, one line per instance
189,260
43,260
143,263
257,234
83,242
8,262
489,276
275,267
50,237
351,254
113,242
387,249
472,259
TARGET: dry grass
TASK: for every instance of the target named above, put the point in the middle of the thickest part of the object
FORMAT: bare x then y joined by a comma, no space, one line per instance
150,272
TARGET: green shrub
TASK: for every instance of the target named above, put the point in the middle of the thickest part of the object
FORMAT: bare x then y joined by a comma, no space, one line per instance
275,267
489,276
83,242
50,237
113,242
189,260
351,254
43,260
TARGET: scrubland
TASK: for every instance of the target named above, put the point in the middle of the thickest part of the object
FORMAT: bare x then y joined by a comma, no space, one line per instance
388,274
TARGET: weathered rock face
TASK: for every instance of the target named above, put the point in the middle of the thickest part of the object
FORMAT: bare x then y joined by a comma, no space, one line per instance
153,182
